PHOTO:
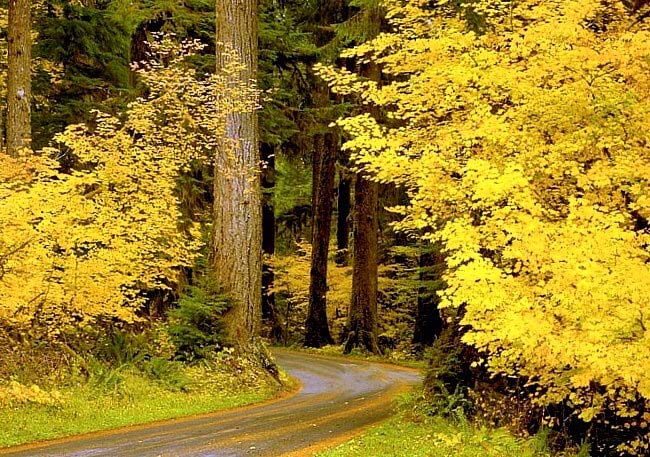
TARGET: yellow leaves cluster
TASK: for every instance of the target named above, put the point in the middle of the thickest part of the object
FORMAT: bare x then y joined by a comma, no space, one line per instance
522,139
86,244
15,393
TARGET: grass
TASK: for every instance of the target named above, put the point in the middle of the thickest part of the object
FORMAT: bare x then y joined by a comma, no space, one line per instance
436,437
416,435
134,399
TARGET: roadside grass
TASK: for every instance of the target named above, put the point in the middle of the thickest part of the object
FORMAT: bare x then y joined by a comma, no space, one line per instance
130,397
415,434
437,437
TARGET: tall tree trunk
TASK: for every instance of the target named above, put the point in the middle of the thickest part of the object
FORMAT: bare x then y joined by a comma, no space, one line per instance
2,128
19,80
343,218
317,333
361,325
428,322
326,150
237,233
269,312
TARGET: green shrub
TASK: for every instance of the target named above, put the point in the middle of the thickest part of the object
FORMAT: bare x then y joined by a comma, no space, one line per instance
166,372
196,327
449,376
106,378
123,347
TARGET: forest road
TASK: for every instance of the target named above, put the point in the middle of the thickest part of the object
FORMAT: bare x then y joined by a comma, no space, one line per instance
338,399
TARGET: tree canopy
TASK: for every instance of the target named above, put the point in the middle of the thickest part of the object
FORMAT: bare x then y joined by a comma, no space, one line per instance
520,131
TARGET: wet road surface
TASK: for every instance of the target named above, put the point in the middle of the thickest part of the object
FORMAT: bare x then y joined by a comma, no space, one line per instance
339,398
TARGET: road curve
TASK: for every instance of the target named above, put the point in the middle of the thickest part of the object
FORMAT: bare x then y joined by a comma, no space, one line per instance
339,397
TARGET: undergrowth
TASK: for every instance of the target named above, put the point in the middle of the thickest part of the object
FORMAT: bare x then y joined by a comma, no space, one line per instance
110,374
115,399
415,434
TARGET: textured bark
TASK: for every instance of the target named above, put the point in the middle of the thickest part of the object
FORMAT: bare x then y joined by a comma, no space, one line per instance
237,244
2,128
343,219
428,323
317,333
361,326
326,151
19,81
269,312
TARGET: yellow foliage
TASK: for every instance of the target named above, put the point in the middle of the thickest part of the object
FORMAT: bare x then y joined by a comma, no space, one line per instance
524,147
81,246
397,295
15,393
292,281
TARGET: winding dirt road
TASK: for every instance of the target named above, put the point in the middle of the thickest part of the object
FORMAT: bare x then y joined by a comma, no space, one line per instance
339,398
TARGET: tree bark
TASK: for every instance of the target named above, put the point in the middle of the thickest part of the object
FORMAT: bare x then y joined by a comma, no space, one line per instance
317,333
343,219
19,80
237,232
269,312
361,325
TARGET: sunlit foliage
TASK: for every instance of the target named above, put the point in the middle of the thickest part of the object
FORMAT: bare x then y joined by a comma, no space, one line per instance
397,298
84,245
520,130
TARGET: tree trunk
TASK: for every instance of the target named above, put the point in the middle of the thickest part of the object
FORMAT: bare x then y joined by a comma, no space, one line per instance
317,333
19,81
343,219
237,232
428,323
269,312
361,325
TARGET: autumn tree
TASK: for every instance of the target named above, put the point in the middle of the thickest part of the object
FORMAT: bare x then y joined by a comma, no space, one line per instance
83,248
19,83
521,141
237,223
361,327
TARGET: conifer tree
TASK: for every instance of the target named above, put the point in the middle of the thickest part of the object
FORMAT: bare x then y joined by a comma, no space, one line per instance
325,153
361,327
19,83
237,223
3,72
